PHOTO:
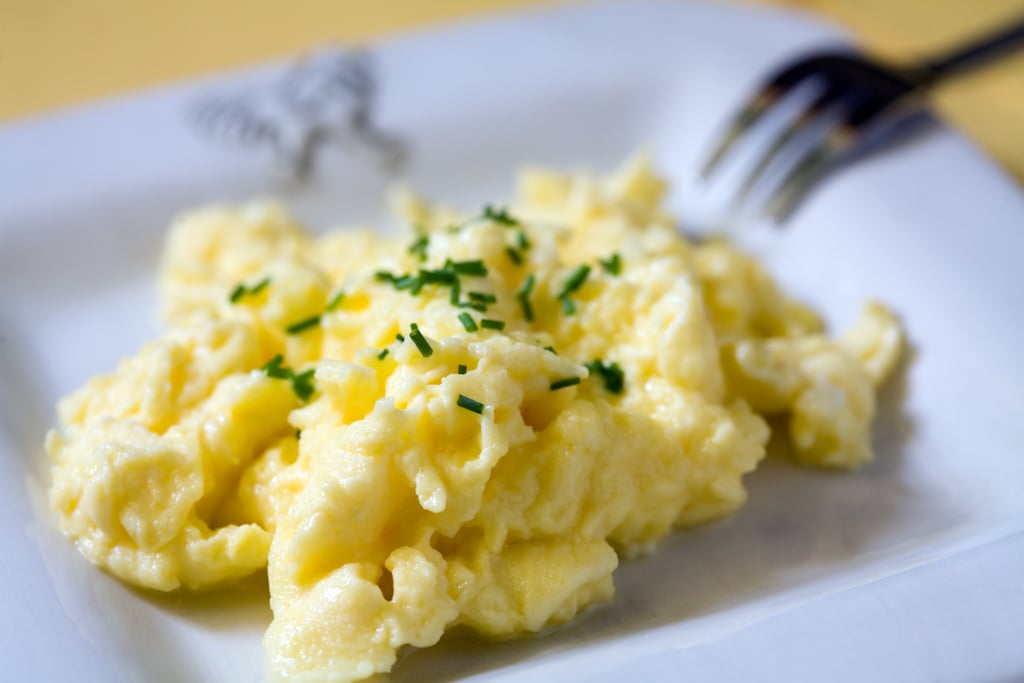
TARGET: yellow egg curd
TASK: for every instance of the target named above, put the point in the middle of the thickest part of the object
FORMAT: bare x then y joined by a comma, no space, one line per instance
469,425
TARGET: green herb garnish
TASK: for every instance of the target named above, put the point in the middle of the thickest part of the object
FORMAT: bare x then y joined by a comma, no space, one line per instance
470,405
446,276
524,297
462,369
467,322
335,301
383,353
275,369
302,383
456,292
437,277
241,290
522,240
260,286
475,305
483,297
612,375
419,246
613,265
574,281
303,325
563,383
489,324
410,282
499,215
420,341
475,268
399,281
514,256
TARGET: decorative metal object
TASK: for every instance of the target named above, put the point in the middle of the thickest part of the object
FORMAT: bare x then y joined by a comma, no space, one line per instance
325,98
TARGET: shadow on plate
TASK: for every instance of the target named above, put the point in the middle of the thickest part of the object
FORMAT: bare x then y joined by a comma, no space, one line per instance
24,408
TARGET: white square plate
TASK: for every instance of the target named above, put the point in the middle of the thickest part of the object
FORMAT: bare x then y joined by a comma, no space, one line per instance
909,569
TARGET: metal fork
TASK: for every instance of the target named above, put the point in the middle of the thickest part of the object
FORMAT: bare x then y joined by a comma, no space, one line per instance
856,97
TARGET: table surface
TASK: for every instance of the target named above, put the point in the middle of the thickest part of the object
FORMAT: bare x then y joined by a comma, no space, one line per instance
55,53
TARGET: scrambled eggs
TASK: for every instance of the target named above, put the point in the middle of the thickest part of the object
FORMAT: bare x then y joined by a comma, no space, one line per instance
467,426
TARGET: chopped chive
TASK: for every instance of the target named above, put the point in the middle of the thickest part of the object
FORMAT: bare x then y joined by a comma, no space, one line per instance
241,290
400,337
613,265
572,283
522,240
419,246
467,322
470,405
383,353
473,268
483,297
524,297
551,349
499,215
462,369
514,256
575,280
302,384
612,375
273,368
563,383
435,277
408,282
475,305
489,324
420,341
456,292
303,325
448,275
335,301
298,434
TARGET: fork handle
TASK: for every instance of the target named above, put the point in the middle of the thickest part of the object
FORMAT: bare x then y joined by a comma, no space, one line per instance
977,53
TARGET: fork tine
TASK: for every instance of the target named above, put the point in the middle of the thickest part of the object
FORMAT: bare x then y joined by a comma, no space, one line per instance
770,92
803,176
740,123
806,117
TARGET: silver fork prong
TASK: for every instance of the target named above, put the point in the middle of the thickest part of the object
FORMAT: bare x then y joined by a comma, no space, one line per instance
807,171
802,141
805,119
770,92
746,118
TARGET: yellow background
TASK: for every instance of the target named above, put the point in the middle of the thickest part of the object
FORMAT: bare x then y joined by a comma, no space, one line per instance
55,53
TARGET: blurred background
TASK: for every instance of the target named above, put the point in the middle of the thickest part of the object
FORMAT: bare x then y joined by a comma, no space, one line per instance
58,53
